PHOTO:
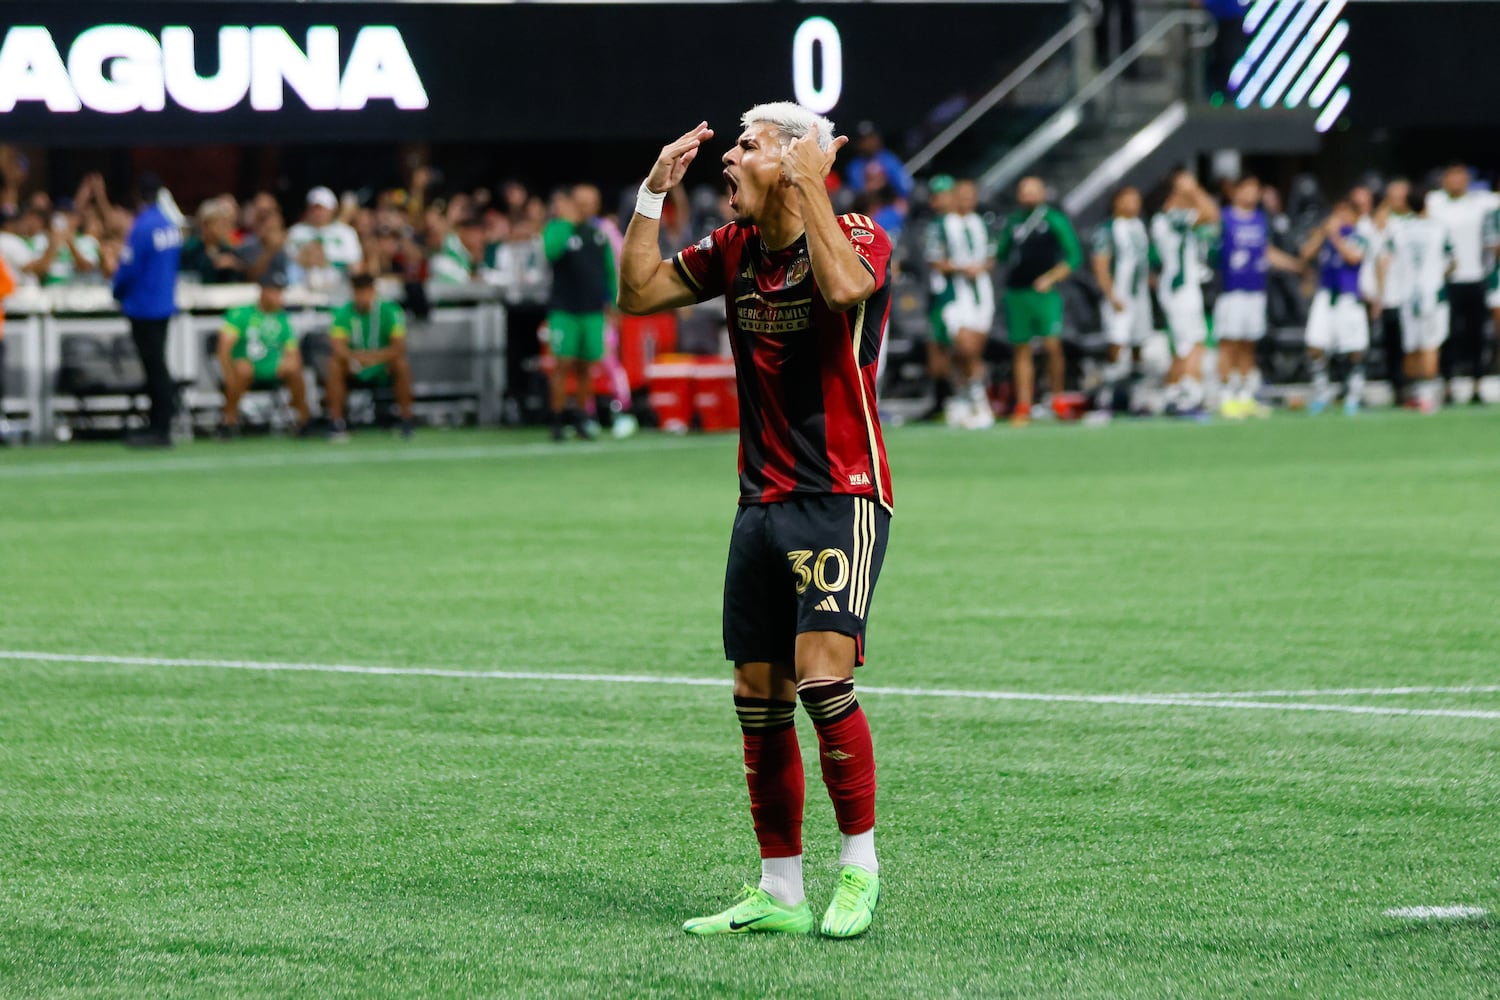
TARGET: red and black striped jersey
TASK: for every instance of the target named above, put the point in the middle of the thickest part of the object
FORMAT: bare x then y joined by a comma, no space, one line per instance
806,374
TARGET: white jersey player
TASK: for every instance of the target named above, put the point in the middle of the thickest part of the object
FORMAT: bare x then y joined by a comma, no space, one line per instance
1416,268
1121,259
1180,233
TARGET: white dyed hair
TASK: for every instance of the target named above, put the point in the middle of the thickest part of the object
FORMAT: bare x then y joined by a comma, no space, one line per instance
792,121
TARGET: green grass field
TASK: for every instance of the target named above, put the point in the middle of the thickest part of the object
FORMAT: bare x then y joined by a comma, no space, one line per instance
188,829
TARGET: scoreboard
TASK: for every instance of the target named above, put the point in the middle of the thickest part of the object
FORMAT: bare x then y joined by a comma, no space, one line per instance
127,72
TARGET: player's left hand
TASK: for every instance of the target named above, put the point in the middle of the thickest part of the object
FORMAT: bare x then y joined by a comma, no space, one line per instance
1043,284
804,162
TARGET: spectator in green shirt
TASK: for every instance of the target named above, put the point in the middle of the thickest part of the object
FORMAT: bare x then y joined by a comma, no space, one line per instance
369,348
256,345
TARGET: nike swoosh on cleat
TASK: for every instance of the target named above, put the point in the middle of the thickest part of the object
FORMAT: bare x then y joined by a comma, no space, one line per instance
735,925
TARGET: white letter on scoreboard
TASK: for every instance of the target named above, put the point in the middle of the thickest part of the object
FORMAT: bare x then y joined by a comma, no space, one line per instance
31,70
313,74
219,92
117,68
823,34
381,67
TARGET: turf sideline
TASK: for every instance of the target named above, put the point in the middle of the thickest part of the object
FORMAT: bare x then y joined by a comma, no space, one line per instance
1156,700
315,455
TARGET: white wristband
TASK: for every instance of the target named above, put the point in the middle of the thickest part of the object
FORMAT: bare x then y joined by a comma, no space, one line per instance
648,203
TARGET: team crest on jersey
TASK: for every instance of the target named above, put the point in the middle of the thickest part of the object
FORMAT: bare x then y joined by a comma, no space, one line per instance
797,270
862,236
706,244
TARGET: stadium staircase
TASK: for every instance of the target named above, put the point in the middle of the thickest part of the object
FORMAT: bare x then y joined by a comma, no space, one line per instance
1088,132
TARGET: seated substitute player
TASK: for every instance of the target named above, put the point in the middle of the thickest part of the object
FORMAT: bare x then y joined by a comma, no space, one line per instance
256,344
369,348
1337,322
807,295
1122,264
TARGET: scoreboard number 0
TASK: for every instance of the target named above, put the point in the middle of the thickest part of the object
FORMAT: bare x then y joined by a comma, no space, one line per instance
817,91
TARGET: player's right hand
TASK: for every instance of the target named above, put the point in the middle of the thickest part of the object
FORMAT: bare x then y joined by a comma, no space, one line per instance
1115,304
669,168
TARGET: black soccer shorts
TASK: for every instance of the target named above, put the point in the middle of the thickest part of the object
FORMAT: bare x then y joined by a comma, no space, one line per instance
808,564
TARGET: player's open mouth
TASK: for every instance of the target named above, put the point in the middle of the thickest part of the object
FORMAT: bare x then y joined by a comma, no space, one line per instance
734,189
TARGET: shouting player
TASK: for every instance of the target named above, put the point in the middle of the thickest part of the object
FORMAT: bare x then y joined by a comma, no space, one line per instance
807,294
1245,259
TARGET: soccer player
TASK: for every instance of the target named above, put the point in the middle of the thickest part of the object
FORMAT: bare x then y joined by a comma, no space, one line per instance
1392,281
940,285
1337,322
1040,249
1461,212
369,348
1121,266
583,282
1415,268
256,344
7,286
1245,259
1178,232
807,294
960,250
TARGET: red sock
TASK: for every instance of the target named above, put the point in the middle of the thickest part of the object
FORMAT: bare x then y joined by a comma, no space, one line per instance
773,772
846,752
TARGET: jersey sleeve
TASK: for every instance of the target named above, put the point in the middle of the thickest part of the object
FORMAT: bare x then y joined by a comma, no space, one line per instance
871,243
394,318
236,321
1103,241
935,246
1067,238
702,264
341,325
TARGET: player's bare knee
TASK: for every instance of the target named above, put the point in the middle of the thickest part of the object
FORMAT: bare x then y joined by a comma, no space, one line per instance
764,680
825,655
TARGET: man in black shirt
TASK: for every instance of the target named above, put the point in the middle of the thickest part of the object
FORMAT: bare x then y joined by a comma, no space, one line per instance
583,283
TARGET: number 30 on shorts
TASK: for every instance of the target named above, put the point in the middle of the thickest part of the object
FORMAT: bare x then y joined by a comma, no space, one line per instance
812,569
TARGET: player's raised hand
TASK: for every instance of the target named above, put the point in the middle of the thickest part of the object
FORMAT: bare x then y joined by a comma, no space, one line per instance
803,160
669,168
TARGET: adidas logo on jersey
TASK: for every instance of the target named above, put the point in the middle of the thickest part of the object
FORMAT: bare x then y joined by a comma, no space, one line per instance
828,604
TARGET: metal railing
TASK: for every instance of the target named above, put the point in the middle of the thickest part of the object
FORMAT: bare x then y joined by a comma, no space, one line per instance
1015,164
1085,19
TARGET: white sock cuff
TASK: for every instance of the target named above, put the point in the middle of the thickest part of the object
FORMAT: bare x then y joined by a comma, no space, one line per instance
859,850
782,878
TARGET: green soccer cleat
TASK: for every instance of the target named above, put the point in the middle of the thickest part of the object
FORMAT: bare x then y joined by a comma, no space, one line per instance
853,906
757,912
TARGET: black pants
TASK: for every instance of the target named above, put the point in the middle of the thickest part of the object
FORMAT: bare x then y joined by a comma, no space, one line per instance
1395,350
1121,12
1465,343
150,336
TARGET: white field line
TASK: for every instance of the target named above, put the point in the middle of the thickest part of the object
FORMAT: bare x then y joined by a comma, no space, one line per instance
1165,701
1338,692
318,454
1437,912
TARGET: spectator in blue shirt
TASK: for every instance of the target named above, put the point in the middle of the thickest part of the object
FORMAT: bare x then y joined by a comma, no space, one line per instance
145,286
869,148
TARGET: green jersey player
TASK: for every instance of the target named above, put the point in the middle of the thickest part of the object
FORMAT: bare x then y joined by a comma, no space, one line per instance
257,345
369,348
